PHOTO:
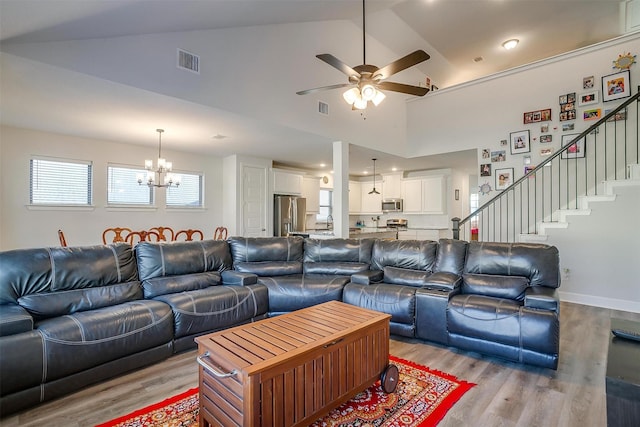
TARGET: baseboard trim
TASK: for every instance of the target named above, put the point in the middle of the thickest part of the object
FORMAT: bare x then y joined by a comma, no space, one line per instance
614,304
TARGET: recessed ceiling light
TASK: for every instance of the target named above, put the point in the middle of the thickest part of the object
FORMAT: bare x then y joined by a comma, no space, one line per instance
510,44
365,172
322,165
394,169
478,59
218,136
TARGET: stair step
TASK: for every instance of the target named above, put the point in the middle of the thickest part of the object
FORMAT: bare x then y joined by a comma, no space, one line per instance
532,238
585,200
564,213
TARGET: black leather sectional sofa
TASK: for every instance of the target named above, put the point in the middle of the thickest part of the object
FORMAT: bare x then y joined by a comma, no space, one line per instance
74,316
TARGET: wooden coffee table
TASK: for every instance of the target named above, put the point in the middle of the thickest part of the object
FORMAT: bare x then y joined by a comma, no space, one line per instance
292,369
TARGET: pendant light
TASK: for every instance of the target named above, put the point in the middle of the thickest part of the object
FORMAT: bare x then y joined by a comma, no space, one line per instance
374,191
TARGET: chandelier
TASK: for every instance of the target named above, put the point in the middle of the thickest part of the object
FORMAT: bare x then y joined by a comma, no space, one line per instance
162,168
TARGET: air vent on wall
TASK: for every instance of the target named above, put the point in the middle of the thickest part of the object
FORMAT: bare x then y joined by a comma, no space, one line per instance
188,61
323,108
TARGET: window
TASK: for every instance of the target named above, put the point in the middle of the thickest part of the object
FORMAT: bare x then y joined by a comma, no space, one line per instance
326,206
189,193
60,182
473,206
123,187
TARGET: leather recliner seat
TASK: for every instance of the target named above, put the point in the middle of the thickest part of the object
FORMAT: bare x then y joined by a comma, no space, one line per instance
188,277
300,273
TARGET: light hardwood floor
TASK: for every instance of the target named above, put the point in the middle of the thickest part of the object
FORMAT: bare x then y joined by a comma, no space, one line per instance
507,394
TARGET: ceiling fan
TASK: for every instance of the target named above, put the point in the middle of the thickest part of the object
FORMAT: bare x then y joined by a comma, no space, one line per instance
366,80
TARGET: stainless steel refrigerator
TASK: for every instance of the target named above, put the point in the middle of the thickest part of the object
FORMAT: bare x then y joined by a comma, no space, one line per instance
289,215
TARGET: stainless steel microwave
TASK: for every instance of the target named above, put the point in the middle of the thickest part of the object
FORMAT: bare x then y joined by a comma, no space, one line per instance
391,205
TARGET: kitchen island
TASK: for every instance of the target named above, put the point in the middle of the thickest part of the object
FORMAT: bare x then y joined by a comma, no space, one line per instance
373,233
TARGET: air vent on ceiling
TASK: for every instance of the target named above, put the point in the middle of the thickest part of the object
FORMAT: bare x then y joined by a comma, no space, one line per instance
188,61
323,108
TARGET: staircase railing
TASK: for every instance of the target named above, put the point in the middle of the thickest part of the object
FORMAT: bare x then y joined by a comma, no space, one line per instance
579,168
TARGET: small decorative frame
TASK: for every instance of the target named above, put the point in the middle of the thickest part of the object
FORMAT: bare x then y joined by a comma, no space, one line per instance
576,150
616,86
537,116
504,178
547,151
520,142
593,114
485,169
588,98
498,156
546,138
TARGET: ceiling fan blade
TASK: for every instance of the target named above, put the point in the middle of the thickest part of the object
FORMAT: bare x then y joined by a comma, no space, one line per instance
317,89
336,63
399,87
401,64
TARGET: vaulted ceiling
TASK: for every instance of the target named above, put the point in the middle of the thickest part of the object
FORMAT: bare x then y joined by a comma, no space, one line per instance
65,67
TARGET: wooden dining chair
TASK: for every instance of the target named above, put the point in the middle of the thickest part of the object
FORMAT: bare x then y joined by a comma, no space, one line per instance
142,236
221,233
63,241
166,233
118,235
189,234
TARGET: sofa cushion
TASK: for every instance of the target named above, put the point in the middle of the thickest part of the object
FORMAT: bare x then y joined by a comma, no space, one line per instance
339,268
408,254
26,272
538,262
293,292
173,284
179,258
403,276
270,268
338,250
214,308
398,301
69,302
451,256
260,249
510,287
87,339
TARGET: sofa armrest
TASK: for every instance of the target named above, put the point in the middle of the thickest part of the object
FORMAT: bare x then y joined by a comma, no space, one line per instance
542,297
14,320
238,278
367,277
444,281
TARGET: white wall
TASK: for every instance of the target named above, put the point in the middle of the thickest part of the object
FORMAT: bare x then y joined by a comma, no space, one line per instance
482,113
22,227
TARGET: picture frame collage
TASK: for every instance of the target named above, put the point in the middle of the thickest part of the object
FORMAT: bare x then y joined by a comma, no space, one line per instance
613,87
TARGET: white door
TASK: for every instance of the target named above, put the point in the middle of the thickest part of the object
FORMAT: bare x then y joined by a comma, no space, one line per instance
254,201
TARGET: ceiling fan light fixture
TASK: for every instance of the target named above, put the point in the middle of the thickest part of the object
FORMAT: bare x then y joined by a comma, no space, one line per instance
360,103
351,95
368,92
378,98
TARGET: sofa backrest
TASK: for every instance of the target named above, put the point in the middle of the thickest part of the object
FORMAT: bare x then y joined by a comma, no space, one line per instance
267,256
56,281
404,262
507,269
337,256
451,256
181,266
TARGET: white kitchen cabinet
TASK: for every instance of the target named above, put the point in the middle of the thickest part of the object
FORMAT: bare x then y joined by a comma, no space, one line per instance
407,235
311,192
433,191
289,183
371,203
419,235
412,195
424,195
355,197
391,186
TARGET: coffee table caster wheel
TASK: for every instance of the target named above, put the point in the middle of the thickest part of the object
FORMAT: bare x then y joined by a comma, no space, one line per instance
389,378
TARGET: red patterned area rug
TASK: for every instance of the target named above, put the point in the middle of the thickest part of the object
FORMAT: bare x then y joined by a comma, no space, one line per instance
422,399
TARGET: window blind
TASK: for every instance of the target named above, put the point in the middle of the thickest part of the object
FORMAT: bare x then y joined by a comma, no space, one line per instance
60,182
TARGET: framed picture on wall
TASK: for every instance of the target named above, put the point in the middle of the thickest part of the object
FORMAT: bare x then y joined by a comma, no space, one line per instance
616,86
520,142
576,150
504,178
588,98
